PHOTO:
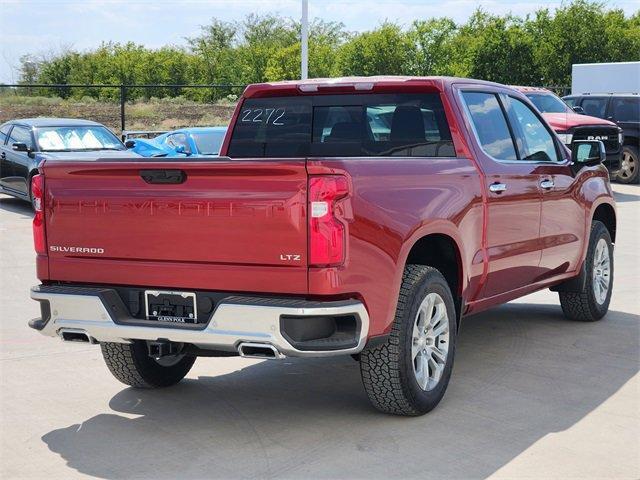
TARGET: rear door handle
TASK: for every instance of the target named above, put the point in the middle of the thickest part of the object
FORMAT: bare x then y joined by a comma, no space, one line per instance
497,187
547,184
163,176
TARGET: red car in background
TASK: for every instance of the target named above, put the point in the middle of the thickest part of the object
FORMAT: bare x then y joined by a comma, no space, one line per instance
572,125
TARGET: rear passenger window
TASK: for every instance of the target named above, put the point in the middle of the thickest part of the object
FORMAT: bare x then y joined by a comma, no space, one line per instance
490,125
343,126
626,109
594,107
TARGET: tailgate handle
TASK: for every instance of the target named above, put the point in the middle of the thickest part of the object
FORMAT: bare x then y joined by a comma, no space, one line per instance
163,176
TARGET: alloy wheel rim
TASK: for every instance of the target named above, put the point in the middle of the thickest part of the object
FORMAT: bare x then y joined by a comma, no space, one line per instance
628,165
601,271
430,341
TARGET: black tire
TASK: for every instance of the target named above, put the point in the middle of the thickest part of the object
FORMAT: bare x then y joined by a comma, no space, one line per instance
583,306
388,370
630,171
33,205
132,365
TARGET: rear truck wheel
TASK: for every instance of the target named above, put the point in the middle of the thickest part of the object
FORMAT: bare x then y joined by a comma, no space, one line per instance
132,365
592,302
629,168
409,373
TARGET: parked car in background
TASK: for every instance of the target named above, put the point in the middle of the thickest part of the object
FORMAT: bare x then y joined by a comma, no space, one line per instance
624,110
135,134
355,216
181,143
571,124
25,143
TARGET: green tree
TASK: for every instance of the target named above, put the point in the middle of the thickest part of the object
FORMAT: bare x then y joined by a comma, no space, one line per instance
387,50
433,40
533,50
324,40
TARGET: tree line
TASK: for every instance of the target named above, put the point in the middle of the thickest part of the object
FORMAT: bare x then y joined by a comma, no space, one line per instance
537,49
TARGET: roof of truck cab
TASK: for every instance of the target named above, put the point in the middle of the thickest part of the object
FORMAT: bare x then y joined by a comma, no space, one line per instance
54,122
358,84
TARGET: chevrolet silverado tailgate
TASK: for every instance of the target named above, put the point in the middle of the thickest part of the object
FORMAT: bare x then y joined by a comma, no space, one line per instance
217,224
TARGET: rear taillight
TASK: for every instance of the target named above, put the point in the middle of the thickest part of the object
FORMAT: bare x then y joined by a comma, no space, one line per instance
37,193
326,231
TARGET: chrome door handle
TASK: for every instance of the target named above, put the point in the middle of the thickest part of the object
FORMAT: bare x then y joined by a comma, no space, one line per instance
497,187
547,184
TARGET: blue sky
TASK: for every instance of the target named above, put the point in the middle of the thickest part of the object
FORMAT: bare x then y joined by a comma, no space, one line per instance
43,27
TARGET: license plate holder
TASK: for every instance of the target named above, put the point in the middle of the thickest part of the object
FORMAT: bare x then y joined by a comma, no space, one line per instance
171,307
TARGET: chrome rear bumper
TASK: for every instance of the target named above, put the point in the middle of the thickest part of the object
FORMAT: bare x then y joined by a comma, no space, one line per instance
234,321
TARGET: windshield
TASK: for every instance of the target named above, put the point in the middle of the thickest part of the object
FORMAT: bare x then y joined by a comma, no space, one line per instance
208,143
548,103
76,139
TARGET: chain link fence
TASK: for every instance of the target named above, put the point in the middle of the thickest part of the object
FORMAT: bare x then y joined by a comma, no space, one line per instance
123,107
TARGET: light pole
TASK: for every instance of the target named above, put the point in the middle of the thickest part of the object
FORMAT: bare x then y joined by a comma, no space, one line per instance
304,67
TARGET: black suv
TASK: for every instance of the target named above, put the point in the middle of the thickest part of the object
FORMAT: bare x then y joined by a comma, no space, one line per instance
624,109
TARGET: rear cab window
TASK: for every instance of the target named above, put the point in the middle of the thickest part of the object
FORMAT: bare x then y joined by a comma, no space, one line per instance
363,125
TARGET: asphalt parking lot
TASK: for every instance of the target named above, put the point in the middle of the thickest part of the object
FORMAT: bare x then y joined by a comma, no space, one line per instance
532,396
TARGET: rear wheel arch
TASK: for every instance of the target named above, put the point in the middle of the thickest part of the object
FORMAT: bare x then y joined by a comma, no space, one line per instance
441,251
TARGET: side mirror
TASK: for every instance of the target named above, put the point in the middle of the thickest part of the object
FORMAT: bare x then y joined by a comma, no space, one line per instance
587,153
130,143
578,109
20,147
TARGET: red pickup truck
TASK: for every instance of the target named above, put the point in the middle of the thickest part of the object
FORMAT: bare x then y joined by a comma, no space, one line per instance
360,216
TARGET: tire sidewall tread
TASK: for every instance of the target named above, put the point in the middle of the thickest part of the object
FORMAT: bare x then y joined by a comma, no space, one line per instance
582,306
387,370
131,364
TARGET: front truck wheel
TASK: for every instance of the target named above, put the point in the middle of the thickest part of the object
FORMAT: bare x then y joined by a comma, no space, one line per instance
591,303
409,373
630,166
132,365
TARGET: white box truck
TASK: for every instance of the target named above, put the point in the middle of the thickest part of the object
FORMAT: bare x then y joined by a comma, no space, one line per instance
621,77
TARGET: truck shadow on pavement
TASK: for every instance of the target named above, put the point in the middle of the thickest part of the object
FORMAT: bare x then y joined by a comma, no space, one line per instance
522,372
15,205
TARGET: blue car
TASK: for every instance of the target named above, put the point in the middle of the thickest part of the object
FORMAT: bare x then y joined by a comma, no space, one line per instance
181,143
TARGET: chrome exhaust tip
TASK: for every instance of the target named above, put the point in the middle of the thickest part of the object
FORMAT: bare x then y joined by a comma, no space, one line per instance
74,335
259,350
